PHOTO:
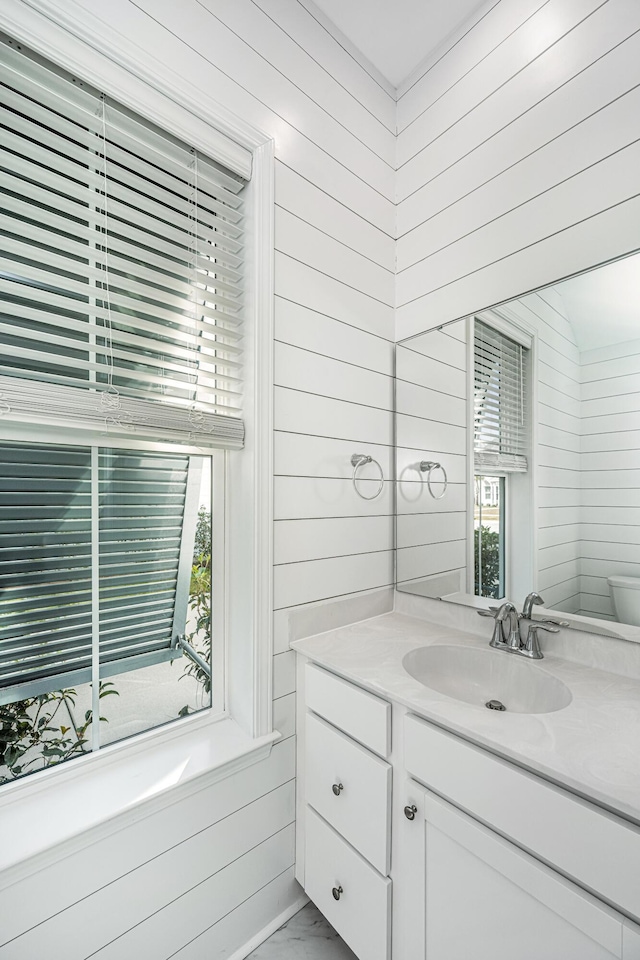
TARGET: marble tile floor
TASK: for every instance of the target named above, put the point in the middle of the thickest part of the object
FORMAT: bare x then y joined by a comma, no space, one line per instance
307,936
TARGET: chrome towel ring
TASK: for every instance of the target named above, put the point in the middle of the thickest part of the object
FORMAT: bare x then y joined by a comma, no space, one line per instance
428,466
359,460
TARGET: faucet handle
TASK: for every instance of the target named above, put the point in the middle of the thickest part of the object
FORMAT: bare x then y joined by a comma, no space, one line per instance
547,623
489,612
531,646
498,638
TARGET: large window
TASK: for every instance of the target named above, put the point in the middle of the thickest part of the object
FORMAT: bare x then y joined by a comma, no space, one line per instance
120,389
105,597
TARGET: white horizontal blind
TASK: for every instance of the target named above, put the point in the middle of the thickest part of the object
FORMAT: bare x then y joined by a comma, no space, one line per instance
121,267
500,402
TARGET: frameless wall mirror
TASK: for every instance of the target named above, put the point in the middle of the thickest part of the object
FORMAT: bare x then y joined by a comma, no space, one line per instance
518,453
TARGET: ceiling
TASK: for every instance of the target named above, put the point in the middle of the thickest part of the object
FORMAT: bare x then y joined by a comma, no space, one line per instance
604,305
396,35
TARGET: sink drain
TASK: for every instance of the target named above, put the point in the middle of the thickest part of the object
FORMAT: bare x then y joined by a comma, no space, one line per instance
494,705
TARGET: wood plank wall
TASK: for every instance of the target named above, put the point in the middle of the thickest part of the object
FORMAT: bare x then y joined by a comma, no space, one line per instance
519,164
610,472
202,877
518,155
431,424
586,460
556,456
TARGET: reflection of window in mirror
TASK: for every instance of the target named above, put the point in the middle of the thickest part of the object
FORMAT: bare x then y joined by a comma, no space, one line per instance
501,454
488,536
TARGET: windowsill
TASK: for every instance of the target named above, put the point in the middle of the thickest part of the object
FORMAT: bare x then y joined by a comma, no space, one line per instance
56,807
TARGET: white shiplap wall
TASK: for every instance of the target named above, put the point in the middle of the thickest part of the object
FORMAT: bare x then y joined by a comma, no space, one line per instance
519,164
203,877
518,156
556,450
610,472
431,424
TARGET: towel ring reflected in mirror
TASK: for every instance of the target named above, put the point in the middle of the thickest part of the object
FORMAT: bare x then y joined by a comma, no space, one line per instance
359,460
428,466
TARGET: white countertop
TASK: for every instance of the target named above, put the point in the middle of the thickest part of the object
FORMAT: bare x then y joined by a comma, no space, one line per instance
592,746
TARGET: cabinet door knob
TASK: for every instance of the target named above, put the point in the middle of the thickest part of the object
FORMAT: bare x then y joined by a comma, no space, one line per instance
410,812
337,789
336,891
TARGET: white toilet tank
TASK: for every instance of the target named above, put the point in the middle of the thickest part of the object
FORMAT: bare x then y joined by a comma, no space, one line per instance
625,593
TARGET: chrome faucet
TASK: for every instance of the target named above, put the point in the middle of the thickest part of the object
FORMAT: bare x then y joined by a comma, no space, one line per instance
529,601
510,640
501,639
527,612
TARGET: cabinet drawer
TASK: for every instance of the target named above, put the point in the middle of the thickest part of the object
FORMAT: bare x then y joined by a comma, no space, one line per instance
596,849
351,788
362,913
359,713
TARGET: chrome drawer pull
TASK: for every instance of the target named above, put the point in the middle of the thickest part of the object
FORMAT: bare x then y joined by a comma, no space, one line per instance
336,891
337,789
410,812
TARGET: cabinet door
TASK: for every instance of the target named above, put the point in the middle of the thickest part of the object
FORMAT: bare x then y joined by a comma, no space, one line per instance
487,899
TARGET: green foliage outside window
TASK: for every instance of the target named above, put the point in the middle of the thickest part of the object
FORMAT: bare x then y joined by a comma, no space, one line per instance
41,731
200,603
486,550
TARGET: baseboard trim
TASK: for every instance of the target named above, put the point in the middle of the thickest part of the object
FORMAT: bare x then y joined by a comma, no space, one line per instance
270,928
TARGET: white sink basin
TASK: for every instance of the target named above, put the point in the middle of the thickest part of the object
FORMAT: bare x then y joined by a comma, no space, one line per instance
477,675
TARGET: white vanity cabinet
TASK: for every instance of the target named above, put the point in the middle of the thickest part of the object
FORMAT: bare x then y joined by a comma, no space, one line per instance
468,856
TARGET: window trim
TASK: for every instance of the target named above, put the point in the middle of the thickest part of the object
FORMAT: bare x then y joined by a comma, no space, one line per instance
64,32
